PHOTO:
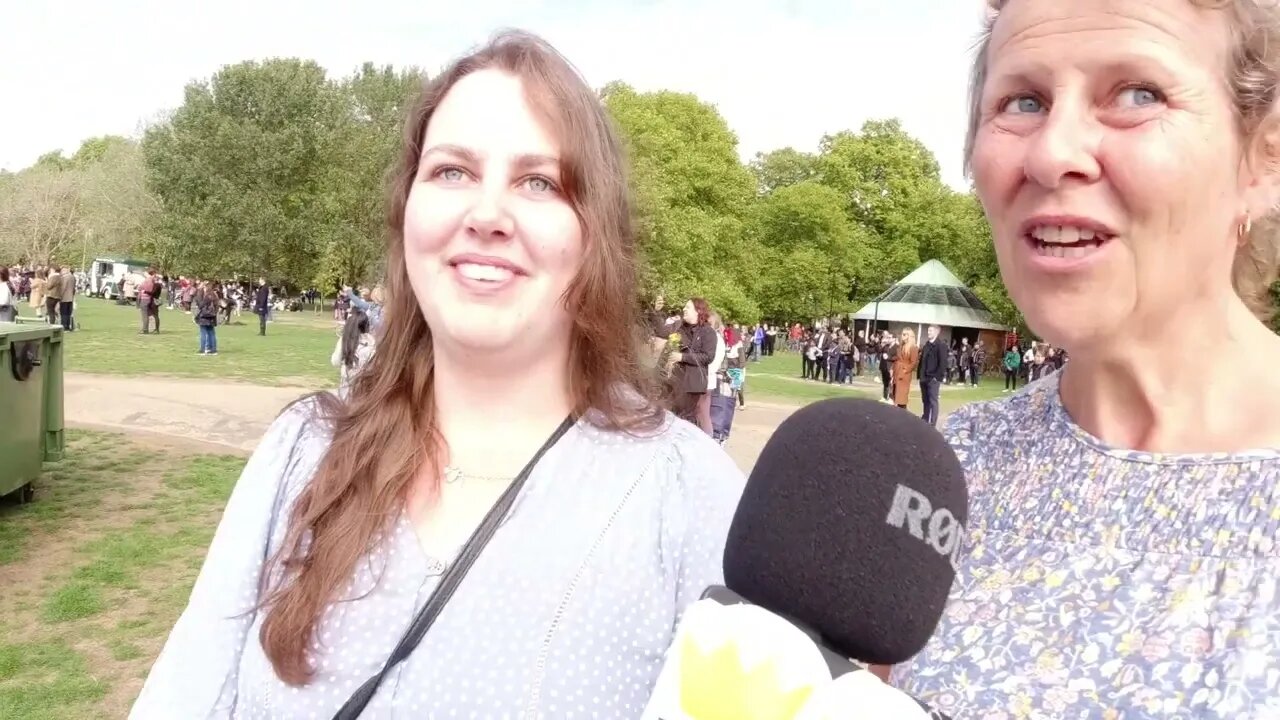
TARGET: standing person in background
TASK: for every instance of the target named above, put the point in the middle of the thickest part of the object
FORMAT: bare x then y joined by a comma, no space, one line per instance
37,291
689,371
368,302
886,356
716,403
933,370
149,301
757,342
52,295
1012,365
661,325
735,361
8,298
205,312
262,304
904,366
67,299
355,348
978,364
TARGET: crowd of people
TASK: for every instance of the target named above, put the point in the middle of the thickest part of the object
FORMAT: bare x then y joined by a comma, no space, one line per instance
49,291
706,361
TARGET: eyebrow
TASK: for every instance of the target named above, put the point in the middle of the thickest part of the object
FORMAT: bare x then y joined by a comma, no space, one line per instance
524,161
1029,72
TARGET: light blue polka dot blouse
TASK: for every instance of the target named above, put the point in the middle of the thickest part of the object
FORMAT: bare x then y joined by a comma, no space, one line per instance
566,614
1105,583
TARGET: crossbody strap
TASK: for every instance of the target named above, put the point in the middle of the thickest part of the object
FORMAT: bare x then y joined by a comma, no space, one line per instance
449,583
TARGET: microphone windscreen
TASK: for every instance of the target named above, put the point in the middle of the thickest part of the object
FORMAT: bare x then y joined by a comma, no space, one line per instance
850,524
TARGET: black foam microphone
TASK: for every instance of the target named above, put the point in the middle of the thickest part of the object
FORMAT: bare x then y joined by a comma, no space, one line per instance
849,527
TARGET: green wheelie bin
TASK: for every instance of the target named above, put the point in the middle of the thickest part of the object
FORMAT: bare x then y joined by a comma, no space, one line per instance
31,402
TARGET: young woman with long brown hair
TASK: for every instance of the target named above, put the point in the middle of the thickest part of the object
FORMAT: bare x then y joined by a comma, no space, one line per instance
510,271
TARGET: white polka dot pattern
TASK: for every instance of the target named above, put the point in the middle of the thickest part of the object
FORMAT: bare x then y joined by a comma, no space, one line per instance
566,614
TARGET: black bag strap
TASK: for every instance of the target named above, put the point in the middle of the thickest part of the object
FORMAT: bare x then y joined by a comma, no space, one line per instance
450,581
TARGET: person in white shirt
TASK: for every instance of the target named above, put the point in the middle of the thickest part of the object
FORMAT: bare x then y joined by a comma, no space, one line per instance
717,360
8,310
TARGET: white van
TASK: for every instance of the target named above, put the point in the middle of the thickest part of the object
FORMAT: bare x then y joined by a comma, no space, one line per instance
107,274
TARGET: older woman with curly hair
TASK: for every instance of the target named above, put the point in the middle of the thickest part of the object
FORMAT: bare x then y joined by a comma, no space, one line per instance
1123,558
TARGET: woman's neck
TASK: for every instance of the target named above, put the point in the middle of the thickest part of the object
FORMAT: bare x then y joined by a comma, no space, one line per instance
1200,384
494,416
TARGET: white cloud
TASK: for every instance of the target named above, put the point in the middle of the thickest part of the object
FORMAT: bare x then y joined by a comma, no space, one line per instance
782,73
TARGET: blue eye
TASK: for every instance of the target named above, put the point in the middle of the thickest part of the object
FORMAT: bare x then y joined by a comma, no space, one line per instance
452,174
1024,104
1139,97
539,184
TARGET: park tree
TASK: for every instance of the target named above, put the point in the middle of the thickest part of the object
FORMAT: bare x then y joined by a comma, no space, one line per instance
891,185
693,195
782,168
812,248
377,101
120,213
52,160
242,169
40,215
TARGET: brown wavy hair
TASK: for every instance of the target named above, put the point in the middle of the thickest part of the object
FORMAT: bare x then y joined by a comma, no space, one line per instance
701,307
387,430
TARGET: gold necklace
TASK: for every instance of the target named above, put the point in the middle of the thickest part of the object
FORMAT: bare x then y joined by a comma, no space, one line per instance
454,475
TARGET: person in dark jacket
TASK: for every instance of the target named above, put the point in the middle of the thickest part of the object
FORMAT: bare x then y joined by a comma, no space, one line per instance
262,304
149,301
689,370
933,370
205,308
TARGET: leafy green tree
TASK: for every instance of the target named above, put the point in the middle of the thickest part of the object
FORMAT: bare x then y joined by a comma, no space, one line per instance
242,170
365,148
692,195
815,251
783,167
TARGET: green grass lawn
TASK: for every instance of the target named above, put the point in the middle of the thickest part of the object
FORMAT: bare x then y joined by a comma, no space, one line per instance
297,346
295,350
95,571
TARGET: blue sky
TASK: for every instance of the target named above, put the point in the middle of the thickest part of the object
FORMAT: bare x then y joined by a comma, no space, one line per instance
782,72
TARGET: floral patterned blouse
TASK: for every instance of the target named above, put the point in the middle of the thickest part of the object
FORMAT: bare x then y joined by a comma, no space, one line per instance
1105,583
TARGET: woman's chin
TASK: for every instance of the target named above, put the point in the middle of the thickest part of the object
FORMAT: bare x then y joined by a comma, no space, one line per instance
500,339
1072,333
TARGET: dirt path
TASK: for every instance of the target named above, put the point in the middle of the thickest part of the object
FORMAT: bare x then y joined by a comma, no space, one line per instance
223,415
218,413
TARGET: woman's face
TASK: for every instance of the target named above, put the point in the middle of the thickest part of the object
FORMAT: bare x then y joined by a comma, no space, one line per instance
1108,162
690,313
491,242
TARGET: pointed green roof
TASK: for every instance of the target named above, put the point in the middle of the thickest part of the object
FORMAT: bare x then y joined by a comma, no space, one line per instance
931,294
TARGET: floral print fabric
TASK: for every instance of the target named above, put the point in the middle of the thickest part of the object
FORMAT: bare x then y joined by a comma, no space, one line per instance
1104,583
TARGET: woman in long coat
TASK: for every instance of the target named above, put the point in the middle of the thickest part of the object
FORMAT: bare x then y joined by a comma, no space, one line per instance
689,377
904,367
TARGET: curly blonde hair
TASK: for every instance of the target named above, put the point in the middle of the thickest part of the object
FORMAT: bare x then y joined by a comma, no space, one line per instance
1253,78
